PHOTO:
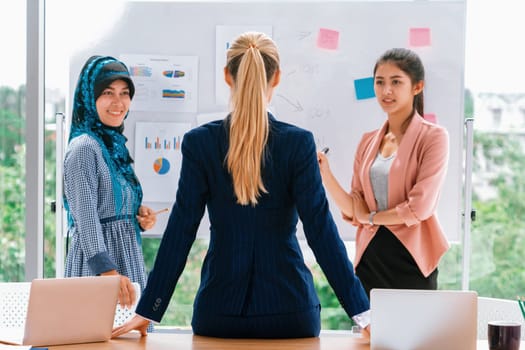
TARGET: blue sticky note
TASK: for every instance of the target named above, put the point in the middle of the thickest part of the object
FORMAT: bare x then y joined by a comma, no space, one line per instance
364,88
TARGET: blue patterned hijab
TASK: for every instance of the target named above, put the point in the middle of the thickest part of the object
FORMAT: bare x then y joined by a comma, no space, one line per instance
96,75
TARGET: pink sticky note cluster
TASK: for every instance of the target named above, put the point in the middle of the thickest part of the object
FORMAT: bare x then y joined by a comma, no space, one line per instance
328,39
419,37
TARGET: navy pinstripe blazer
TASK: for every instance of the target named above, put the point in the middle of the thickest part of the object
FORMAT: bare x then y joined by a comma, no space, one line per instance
254,265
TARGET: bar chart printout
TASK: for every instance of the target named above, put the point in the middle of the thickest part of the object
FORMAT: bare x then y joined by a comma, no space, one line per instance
158,158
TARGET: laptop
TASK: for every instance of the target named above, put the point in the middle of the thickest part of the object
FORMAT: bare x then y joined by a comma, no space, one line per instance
67,311
403,319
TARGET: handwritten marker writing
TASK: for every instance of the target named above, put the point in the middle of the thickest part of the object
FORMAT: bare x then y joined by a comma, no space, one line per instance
161,211
325,150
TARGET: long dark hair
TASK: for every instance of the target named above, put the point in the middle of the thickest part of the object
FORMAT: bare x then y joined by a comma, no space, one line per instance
410,63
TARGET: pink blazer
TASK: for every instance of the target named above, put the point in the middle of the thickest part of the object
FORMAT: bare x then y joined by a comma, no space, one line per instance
415,179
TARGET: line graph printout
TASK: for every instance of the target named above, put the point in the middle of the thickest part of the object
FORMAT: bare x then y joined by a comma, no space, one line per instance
158,158
163,83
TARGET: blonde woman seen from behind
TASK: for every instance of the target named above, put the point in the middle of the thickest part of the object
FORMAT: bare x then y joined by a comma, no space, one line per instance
257,177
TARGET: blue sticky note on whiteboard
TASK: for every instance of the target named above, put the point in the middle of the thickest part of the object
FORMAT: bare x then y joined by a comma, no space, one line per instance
364,88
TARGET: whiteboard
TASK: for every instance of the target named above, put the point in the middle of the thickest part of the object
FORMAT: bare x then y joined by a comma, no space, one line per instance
317,88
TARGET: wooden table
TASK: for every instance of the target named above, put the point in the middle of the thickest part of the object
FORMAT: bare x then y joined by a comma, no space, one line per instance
185,341
178,341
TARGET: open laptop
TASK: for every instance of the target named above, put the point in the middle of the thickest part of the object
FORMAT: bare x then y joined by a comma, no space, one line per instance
67,311
403,319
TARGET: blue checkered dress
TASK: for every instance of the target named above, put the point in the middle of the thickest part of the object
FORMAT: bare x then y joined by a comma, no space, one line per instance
101,238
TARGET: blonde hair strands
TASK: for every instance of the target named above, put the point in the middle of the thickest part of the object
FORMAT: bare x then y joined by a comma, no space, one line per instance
252,61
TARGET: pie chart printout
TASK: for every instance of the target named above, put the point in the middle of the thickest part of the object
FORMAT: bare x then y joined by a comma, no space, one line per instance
161,166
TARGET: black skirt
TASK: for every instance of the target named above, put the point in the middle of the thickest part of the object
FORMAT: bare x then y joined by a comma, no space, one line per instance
386,263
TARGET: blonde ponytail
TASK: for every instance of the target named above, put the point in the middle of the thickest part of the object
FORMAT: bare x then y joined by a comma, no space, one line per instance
252,60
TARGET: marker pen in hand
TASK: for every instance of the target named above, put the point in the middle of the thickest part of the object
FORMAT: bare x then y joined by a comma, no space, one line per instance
325,150
161,211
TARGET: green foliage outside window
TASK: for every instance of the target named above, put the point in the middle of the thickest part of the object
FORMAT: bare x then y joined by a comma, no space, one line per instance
12,185
12,220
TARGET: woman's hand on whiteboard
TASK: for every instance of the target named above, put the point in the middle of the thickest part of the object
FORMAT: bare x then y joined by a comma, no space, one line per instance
147,217
324,165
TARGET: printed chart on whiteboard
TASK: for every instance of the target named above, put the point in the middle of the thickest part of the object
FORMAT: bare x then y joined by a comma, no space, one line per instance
158,158
163,83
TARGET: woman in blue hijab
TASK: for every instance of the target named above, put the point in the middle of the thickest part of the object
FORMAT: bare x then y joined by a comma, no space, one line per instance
102,193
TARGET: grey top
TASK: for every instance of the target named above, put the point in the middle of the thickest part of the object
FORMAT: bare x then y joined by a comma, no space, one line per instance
379,179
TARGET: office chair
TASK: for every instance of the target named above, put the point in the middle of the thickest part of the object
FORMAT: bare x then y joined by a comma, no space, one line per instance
122,314
14,297
493,309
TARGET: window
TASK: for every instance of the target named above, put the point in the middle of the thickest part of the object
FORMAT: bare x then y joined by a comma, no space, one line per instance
496,117
12,141
497,233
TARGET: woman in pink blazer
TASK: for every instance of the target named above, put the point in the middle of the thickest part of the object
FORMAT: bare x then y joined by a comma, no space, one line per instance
398,173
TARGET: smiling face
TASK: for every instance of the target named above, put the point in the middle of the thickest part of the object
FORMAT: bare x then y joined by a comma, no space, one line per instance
394,89
113,103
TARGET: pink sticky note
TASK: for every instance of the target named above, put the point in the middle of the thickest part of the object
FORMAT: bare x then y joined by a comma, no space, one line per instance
431,117
328,39
419,37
